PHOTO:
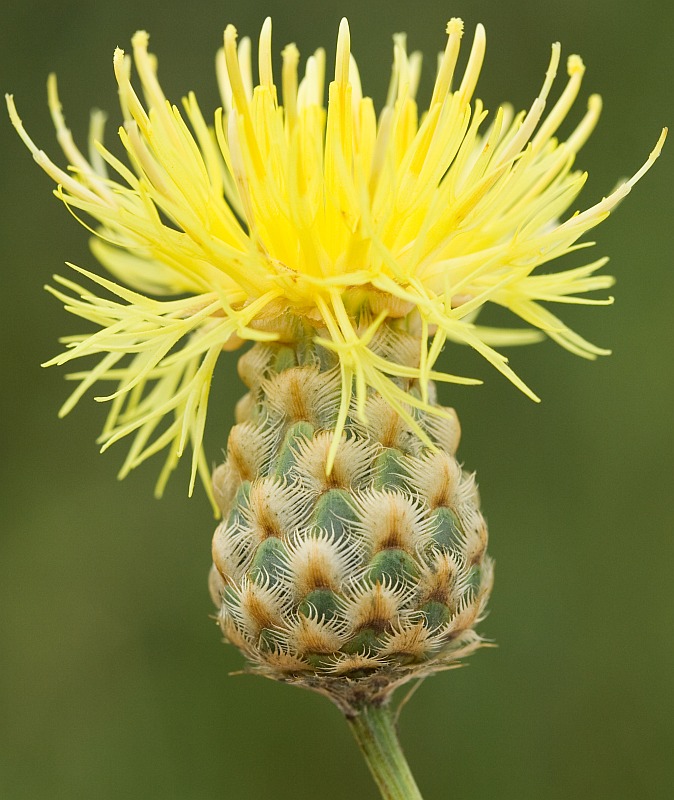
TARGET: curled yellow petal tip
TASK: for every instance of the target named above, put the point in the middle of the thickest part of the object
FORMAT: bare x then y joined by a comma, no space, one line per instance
343,52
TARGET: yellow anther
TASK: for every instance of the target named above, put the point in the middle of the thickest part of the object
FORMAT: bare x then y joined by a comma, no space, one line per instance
474,66
291,57
343,52
239,97
264,56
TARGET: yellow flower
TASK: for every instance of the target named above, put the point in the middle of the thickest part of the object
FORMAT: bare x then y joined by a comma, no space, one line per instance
337,217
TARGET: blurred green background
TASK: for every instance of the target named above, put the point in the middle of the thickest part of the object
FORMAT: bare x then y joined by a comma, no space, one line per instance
113,679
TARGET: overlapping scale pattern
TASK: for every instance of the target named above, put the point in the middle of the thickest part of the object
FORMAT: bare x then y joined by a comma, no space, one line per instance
376,567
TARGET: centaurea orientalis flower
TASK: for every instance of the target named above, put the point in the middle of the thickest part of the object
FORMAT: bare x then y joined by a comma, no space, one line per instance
341,218
349,247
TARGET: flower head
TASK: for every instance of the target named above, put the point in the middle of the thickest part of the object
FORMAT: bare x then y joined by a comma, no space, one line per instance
284,214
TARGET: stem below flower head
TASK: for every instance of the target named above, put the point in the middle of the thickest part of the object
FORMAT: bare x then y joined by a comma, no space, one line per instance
375,731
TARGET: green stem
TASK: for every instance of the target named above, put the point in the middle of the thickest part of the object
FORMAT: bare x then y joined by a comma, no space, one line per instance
375,732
